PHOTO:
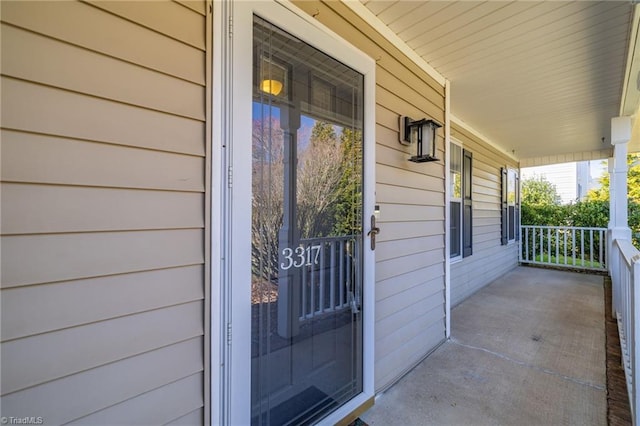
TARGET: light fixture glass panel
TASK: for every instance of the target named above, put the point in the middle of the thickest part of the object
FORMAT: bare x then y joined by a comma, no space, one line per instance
414,134
427,138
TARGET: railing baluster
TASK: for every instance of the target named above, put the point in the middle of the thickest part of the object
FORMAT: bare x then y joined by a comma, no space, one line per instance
573,246
303,311
533,245
312,291
591,247
600,246
332,283
341,259
349,268
526,244
548,246
565,245
582,246
321,278
541,244
557,246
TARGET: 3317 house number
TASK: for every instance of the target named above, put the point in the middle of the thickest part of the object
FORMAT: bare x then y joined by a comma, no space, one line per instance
300,256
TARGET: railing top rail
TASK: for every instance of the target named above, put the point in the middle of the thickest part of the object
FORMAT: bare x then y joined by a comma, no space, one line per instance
630,254
328,239
564,227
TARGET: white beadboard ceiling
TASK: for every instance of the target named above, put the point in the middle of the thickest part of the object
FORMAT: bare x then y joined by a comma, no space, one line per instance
539,79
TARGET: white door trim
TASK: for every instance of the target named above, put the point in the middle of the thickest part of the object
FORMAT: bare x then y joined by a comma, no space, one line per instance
232,86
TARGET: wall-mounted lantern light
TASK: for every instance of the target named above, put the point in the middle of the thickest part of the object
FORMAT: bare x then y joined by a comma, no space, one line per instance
423,134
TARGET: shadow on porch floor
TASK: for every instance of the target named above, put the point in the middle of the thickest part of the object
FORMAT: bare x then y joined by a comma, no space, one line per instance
527,349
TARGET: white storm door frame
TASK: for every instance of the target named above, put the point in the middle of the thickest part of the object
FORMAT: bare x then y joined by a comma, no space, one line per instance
231,327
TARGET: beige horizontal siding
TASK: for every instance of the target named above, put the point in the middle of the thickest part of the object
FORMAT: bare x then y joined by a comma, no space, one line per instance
48,209
400,283
99,388
42,358
387,326
400,230
84,25
103,165
195,417
387,250
59,64
410,196
410,353
409,213
65,304
169,18
195,5
61,257
394,267
490,259
407,330
64,113
55,160
406,296
155,407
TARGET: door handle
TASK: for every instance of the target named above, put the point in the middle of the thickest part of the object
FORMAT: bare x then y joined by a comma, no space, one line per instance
373,232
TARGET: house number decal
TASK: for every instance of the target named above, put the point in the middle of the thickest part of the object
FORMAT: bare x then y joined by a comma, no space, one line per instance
300,256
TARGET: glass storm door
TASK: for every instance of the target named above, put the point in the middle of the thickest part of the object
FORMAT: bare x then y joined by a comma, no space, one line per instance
306,230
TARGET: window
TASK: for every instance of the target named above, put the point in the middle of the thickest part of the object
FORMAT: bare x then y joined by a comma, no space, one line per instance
460,208
510,205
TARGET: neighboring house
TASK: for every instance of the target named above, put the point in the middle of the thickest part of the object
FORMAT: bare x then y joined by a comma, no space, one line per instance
573,180
166,255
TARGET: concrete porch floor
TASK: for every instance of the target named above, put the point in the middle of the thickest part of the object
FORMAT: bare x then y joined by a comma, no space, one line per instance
529,349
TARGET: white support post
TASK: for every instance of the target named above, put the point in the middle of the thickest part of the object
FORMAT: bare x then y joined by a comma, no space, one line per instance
620,136
634,280
618,226
612,197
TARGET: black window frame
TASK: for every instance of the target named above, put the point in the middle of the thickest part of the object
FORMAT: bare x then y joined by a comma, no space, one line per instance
509,227
461,227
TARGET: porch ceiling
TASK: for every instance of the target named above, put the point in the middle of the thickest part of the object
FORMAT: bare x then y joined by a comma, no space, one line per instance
538,79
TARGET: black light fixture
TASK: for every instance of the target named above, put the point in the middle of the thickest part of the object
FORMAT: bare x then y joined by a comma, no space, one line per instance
421,132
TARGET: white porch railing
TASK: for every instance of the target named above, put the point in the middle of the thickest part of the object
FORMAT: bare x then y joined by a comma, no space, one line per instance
564,246
625,277
330,275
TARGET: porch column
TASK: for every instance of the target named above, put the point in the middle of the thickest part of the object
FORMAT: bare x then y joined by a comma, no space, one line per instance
620,136
618,225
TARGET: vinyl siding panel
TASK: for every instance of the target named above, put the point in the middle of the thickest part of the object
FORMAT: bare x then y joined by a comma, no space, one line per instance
103,194
47,208
83,25
169,18
63,113
96,389
195,417
490,259
156,407
64,304
61,257
45,159
55,63
62,353
410,253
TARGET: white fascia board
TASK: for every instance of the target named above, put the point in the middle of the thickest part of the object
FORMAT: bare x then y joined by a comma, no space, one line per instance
632,68
362,11
485,139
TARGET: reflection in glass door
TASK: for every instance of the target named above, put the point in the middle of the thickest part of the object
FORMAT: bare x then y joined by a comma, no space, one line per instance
306,352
